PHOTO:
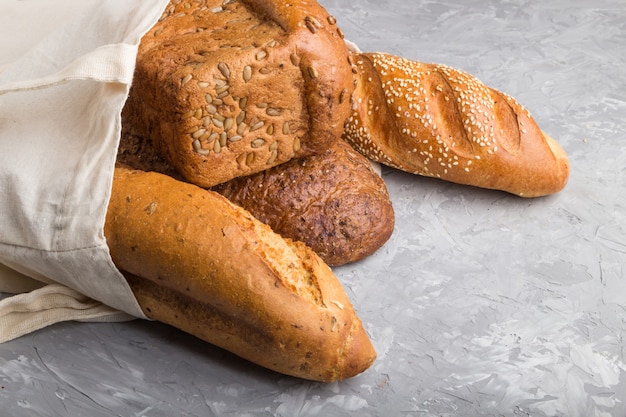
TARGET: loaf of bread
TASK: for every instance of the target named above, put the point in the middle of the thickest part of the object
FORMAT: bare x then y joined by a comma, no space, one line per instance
198,262
334,202
228,88
440,122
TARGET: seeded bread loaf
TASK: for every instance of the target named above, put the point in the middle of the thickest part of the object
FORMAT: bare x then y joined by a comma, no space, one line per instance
334,202
226,88
440,122
206,266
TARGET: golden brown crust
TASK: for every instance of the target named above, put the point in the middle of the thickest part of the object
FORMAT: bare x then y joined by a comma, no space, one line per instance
334,202
437,121
229,88
211,269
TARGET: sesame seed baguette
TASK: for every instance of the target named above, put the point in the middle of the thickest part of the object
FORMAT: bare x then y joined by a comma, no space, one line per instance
199,263
226,88
440,122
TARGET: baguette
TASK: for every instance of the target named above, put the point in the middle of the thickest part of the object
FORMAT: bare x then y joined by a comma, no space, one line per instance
199,263
230,88
334,202
440,122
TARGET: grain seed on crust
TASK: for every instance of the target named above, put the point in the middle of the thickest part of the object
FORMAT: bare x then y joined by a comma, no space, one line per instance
240,117
312,24
228,123
247,73
186,79
257,126
296,144
224,69
257,143
272,157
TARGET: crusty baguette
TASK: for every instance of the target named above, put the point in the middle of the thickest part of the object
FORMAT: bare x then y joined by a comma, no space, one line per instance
211,269
230,88
440,122
333,201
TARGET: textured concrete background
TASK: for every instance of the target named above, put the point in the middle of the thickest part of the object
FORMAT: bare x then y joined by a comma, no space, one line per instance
481,304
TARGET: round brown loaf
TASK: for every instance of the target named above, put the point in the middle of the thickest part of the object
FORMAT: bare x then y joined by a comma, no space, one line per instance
230,88
334,202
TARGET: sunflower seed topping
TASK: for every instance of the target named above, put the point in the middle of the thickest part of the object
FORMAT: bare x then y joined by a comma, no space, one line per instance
198,133
224,69
257,126
272,157
186,79
228,123
247,73
257,143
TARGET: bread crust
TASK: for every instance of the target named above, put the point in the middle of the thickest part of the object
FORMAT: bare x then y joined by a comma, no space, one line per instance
225,89
437,121
334,202
208,267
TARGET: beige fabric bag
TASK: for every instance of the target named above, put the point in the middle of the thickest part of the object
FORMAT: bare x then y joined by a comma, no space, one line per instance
65,70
